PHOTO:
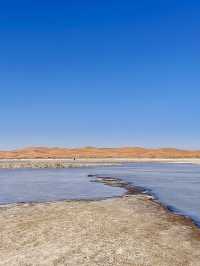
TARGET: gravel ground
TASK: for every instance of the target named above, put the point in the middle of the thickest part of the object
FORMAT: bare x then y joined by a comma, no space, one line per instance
87,162
131,230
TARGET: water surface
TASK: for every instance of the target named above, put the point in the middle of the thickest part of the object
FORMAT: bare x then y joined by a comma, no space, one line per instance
175,185
42,185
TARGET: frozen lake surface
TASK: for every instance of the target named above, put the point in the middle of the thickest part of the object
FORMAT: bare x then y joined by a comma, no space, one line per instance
41,185
175,185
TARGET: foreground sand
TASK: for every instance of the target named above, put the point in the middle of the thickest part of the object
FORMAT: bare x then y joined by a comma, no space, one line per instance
124,231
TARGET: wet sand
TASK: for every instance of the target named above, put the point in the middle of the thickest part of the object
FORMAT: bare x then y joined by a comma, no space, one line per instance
131,230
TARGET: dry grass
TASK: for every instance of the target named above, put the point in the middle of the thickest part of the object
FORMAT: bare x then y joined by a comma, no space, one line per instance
125,231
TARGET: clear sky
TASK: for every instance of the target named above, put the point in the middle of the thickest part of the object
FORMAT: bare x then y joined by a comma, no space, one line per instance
100,73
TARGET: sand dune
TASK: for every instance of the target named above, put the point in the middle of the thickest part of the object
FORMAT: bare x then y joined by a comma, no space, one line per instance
92,152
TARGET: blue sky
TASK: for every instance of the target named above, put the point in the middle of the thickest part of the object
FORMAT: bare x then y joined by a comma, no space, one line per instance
100,73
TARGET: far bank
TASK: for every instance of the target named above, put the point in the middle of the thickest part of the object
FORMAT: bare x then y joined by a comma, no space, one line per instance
86,162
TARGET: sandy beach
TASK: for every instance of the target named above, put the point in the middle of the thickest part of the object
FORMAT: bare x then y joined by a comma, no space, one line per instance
132,230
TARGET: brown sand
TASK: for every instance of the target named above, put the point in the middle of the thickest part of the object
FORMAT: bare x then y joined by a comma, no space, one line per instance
131,230
91,152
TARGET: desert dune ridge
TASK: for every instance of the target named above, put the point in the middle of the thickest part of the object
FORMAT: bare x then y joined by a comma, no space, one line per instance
93,152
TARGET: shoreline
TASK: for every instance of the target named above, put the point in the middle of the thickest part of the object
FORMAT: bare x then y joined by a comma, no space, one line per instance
136,190
132,229
89,162
129,190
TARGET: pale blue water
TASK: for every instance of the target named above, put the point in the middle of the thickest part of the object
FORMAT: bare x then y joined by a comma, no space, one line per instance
40,185
175,185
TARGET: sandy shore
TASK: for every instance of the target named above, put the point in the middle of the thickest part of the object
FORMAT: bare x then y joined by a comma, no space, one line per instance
67,163
132,230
